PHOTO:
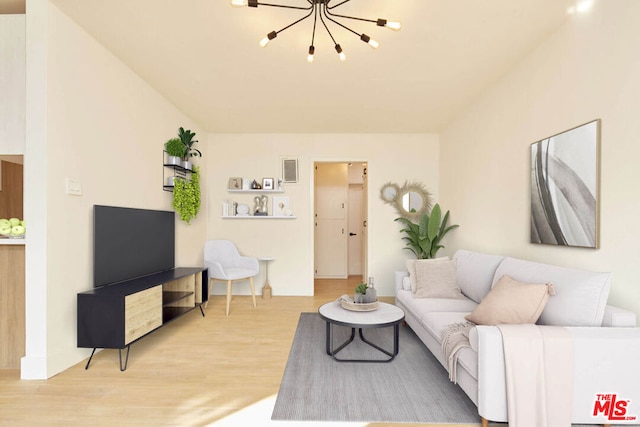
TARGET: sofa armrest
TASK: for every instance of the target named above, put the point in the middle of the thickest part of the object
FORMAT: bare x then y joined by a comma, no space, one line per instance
618,318
492,391
604,364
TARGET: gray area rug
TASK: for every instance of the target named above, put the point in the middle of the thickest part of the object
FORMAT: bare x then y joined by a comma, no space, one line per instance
414,387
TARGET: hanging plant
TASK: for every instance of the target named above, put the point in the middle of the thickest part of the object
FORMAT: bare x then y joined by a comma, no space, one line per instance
186,196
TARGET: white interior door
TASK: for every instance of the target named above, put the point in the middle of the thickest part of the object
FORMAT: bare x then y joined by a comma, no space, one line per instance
331,236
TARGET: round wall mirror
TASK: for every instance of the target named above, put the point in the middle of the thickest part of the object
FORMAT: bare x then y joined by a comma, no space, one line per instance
389,192
410,201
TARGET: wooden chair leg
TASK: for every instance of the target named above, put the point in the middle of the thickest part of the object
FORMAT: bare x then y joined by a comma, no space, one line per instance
228,295
485,422
253,291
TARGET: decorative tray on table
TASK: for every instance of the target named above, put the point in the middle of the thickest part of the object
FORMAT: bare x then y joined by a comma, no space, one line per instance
348,303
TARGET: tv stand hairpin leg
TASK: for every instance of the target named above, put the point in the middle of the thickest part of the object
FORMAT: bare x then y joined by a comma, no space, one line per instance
90,357
126,360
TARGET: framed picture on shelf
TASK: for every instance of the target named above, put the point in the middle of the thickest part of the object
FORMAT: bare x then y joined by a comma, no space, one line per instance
281,206
235,183
267,183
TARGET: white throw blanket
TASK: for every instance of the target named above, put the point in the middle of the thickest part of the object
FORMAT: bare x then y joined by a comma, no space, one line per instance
454,338
539,375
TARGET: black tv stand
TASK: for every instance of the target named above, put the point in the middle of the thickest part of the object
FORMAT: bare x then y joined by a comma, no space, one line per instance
117,315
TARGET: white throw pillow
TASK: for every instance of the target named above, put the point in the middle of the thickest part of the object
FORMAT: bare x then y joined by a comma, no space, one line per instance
411,266
437,280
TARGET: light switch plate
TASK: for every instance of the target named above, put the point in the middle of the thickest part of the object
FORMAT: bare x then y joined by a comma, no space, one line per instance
74,188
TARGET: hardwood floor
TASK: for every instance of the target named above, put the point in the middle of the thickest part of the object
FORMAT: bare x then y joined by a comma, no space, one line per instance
196,371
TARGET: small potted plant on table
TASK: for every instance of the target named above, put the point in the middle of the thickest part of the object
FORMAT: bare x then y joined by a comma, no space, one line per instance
361,291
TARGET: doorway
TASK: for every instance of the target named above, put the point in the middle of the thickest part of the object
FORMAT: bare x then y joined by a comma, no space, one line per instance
340,215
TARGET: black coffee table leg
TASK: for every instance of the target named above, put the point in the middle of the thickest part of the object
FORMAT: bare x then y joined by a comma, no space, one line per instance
332,353
396,343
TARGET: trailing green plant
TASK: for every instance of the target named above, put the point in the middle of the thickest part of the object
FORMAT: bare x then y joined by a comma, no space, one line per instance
361,288
423,238
186,136
186,196
174,147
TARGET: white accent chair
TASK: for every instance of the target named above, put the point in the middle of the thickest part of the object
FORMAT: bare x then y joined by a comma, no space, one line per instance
226,264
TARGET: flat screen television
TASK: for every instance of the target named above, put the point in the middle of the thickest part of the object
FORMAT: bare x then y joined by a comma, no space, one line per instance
130,243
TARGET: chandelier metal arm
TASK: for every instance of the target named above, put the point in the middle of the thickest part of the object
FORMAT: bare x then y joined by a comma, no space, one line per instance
339,4
251,4
295,22
354,17
327,15
326,27
315,20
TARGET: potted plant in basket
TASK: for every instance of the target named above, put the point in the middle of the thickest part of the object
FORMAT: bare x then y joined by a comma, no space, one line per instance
186,137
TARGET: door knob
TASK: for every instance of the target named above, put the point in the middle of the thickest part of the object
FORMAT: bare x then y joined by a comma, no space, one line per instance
352,234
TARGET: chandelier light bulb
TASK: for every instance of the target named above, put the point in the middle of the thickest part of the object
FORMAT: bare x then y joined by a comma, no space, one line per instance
395,26
239,3
392,25
341,54
312,51
265,41
371,42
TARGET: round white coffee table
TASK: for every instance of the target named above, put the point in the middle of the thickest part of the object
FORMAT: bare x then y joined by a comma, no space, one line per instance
385,315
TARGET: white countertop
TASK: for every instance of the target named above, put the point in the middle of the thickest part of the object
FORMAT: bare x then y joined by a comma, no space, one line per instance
6,241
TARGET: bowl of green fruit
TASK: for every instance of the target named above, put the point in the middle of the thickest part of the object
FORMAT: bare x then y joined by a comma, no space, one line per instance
13,228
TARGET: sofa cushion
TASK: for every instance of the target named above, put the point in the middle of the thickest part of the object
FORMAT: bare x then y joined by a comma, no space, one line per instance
475,271
419,306
511,302
437,280
581,296
411,266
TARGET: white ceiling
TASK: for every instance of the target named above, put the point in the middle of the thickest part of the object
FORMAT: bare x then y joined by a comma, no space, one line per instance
203,55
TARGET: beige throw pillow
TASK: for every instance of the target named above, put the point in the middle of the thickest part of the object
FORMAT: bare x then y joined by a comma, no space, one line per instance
511,302
437,280
411,267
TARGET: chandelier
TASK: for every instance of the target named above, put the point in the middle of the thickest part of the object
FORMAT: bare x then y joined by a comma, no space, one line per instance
322,11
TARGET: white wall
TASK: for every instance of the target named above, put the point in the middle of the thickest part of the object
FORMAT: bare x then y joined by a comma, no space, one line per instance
589,69
395,158
12,83
104,127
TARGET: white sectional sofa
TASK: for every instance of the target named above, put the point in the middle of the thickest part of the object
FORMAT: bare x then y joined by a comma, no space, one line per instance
606,340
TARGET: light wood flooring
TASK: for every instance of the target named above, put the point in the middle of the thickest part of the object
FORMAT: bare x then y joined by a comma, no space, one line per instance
196,371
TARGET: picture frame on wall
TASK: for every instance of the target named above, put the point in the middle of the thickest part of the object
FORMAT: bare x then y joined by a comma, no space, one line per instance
267,183
235,183
281,206
565,187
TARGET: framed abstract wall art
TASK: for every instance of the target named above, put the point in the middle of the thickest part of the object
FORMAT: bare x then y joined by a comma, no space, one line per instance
565,181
